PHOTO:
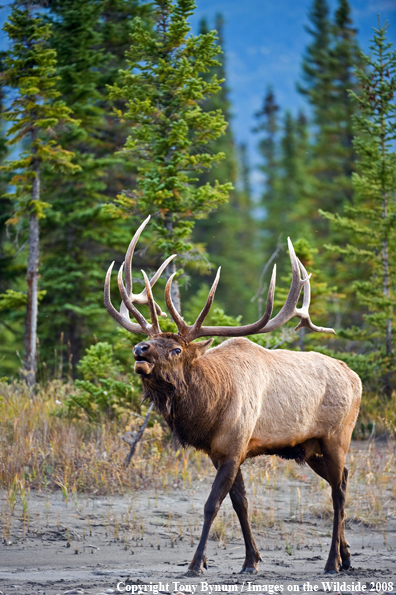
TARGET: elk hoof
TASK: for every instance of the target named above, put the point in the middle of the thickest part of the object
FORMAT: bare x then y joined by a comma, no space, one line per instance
332,571
248,570
192,573
346,564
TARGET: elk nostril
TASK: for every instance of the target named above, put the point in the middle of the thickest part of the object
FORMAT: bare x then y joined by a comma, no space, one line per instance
141,349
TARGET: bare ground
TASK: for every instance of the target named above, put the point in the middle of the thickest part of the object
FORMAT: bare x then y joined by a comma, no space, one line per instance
147,537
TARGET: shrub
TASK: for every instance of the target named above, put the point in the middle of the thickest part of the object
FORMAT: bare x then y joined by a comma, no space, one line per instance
104,389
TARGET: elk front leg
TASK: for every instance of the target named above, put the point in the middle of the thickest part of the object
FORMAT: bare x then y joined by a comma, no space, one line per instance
240,504
222,484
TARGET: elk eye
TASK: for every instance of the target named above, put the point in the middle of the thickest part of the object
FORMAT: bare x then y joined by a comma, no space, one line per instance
176,351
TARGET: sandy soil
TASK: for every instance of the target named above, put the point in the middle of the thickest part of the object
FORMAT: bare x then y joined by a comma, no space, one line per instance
146,539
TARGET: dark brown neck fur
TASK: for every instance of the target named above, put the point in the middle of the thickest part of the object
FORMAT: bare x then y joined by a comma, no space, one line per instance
193,401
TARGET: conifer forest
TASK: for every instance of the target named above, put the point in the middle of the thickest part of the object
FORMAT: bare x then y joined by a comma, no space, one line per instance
129,116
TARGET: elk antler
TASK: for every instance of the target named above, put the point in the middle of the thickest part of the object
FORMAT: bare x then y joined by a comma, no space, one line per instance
289,309
129,298
189,333
264,325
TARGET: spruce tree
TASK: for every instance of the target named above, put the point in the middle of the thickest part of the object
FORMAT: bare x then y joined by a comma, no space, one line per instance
328,73
268,125
285,150
90,37
34,114
75,230
317,86
370,223
170,134
10,269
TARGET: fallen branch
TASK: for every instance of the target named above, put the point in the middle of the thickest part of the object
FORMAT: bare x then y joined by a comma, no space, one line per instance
132,438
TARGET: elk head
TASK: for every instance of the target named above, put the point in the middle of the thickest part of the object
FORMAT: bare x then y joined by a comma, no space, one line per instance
165,353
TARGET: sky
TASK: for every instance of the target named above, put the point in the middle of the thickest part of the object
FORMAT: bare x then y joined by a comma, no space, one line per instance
264,41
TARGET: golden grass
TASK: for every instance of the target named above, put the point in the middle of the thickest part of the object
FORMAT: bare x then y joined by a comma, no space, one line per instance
42,451
48,451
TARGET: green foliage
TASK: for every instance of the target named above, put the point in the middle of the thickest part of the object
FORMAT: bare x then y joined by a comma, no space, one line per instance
10,300
308,163
35,115
230,234
78,236
170,133
104,389
30,68
370,223
328,74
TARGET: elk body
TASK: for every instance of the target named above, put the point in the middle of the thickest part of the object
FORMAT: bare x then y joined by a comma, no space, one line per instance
239,400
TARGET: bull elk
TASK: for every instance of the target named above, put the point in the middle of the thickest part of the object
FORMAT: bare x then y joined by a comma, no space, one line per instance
239,400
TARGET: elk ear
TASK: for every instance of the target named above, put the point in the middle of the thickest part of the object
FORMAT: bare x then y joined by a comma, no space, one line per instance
202,346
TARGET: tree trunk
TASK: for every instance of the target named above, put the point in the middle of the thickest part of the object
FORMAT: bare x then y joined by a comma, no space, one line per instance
32,276
386,292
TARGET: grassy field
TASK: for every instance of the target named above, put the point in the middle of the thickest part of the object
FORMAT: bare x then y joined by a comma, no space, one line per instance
43,451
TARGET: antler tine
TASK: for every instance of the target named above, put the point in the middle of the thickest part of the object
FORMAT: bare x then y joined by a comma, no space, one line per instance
118,316
303,313
163,266
141,298
127,302
289,309
129,256
151,304
233,331
205,310
183,328
307,287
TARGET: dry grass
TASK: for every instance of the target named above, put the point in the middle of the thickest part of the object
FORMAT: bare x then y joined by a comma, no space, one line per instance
41,451
47,451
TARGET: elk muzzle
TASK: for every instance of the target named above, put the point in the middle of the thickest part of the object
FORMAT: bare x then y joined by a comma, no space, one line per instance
142,365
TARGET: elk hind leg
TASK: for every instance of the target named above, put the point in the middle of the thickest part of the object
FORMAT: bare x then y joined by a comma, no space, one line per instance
331,467
225,476
240,504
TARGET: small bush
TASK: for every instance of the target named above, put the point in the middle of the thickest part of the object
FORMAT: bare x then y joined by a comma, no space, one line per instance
104,389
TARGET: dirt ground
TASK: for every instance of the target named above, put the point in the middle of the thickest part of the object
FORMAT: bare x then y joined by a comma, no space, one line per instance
143,541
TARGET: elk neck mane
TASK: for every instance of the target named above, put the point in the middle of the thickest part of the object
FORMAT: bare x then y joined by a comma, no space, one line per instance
192,399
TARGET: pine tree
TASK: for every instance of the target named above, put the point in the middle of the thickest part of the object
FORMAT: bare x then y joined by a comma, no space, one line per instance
89,37
169,132
75,228
285,150
30,69
267,123
268,126
10,269
328,73
370,223
316,64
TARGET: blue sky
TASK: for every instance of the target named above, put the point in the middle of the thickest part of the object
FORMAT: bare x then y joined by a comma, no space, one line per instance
264,41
